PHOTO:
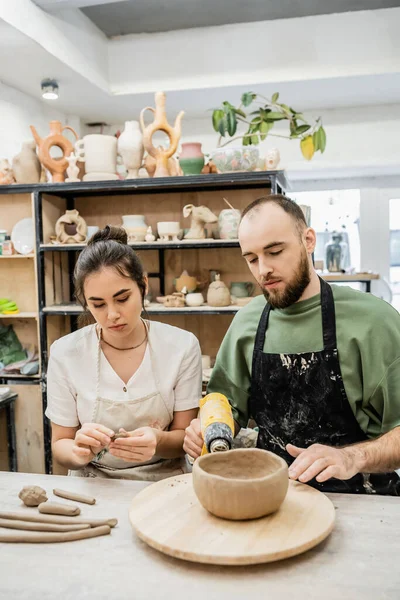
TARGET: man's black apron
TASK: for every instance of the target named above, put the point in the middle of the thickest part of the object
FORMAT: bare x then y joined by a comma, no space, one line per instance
300,399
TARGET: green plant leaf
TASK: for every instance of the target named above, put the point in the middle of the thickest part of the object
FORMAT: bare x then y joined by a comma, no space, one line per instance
254,139
216,118
246,141
275,97
316,140
264,129
240,112
231,123
275,116
322,139
248,97
223,126
302,129
285,106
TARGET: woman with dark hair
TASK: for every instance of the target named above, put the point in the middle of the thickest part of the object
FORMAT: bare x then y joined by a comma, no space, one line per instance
122,375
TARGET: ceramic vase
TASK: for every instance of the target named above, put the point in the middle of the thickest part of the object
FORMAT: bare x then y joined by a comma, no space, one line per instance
135,226
99,153
218,294
26,164
228,224
191,159
131,149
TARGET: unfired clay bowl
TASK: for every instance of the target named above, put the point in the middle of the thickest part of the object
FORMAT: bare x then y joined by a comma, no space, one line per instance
240,484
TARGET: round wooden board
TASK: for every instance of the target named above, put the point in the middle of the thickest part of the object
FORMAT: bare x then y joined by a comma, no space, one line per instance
168,517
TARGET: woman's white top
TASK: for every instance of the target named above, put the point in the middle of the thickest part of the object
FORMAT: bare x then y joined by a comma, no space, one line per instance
71,374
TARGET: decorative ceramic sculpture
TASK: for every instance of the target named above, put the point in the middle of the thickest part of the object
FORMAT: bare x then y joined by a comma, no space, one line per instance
6,172
135,226
130,147
218,294
173,167
191,159
160,123
149,237
200,216
175,300
186,281
71,228
56,166
73,169
26,165
99,153
272,159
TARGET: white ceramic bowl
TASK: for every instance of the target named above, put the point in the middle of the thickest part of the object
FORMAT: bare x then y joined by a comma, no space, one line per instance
168,228
194,299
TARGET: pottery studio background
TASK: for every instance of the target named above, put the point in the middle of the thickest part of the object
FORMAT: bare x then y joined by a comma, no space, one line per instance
228,97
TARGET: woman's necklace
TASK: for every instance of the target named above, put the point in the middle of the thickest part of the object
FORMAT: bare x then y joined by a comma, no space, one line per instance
131,348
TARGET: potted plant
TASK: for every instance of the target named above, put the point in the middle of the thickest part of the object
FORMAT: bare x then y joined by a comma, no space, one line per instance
259,123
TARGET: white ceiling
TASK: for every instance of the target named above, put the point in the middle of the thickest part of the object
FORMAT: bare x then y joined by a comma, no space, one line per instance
117,18
30,62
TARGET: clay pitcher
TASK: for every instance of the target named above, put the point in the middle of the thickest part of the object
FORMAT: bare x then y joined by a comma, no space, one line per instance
26,165
56,166
160,123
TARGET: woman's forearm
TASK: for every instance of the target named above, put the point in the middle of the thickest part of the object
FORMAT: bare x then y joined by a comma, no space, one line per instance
62,452
170,443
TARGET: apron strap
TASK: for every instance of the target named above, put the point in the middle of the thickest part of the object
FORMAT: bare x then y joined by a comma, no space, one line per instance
328,316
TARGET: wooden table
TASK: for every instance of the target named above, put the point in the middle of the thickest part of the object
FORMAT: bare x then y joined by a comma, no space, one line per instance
357,562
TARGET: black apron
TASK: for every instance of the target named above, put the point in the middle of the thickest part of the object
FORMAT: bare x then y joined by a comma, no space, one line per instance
300,399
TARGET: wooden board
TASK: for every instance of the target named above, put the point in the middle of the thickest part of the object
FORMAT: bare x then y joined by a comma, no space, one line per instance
168,517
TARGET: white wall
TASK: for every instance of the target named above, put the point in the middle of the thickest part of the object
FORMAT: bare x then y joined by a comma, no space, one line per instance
17,112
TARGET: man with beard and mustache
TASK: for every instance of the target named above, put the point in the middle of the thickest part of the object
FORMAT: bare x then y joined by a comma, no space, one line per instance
317,367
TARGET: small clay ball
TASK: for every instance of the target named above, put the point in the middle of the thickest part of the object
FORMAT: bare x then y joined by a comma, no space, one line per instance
32,495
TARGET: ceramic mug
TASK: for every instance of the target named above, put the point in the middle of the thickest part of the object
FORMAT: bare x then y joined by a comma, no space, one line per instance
242,289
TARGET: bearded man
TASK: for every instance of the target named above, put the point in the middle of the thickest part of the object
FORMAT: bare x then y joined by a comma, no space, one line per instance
317,367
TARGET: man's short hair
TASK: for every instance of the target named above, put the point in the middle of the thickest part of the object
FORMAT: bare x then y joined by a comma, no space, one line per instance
288,205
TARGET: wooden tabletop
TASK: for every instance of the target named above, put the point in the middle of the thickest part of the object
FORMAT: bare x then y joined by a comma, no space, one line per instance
358,560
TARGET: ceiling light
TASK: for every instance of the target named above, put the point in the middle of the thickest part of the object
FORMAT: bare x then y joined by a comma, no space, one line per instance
49,89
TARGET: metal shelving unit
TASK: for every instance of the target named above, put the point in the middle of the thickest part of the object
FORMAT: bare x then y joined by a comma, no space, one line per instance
273,180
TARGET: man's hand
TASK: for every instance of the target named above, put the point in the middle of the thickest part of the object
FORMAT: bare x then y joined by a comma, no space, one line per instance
323,462
193,442
91,438
138,446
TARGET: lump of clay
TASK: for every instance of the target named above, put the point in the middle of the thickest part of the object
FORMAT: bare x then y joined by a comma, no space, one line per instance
32,495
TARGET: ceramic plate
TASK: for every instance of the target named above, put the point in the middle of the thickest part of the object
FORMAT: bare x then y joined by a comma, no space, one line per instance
23,236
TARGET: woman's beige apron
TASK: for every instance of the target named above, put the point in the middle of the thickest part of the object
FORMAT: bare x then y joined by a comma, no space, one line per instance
149,411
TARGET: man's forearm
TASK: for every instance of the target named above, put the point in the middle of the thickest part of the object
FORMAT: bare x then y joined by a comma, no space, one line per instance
377,456
62,452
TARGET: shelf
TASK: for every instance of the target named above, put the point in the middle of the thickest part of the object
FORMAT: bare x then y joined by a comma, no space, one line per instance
155,309
178,245
20,315
349,277
155,185
17,376
14,256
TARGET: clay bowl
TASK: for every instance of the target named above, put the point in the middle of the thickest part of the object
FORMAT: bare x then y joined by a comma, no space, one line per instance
240,484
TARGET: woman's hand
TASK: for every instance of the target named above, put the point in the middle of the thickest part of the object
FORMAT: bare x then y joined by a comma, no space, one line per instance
139,446
90,439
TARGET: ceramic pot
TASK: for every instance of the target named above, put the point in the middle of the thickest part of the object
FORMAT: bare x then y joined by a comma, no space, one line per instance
194,299
242,289
191,159
168,229
186,281
131,149
99,153
228,224
26,164
135,226
233,159
247,483
218,294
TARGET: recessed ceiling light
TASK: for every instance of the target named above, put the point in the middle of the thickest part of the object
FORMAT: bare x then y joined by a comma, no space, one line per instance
49,89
